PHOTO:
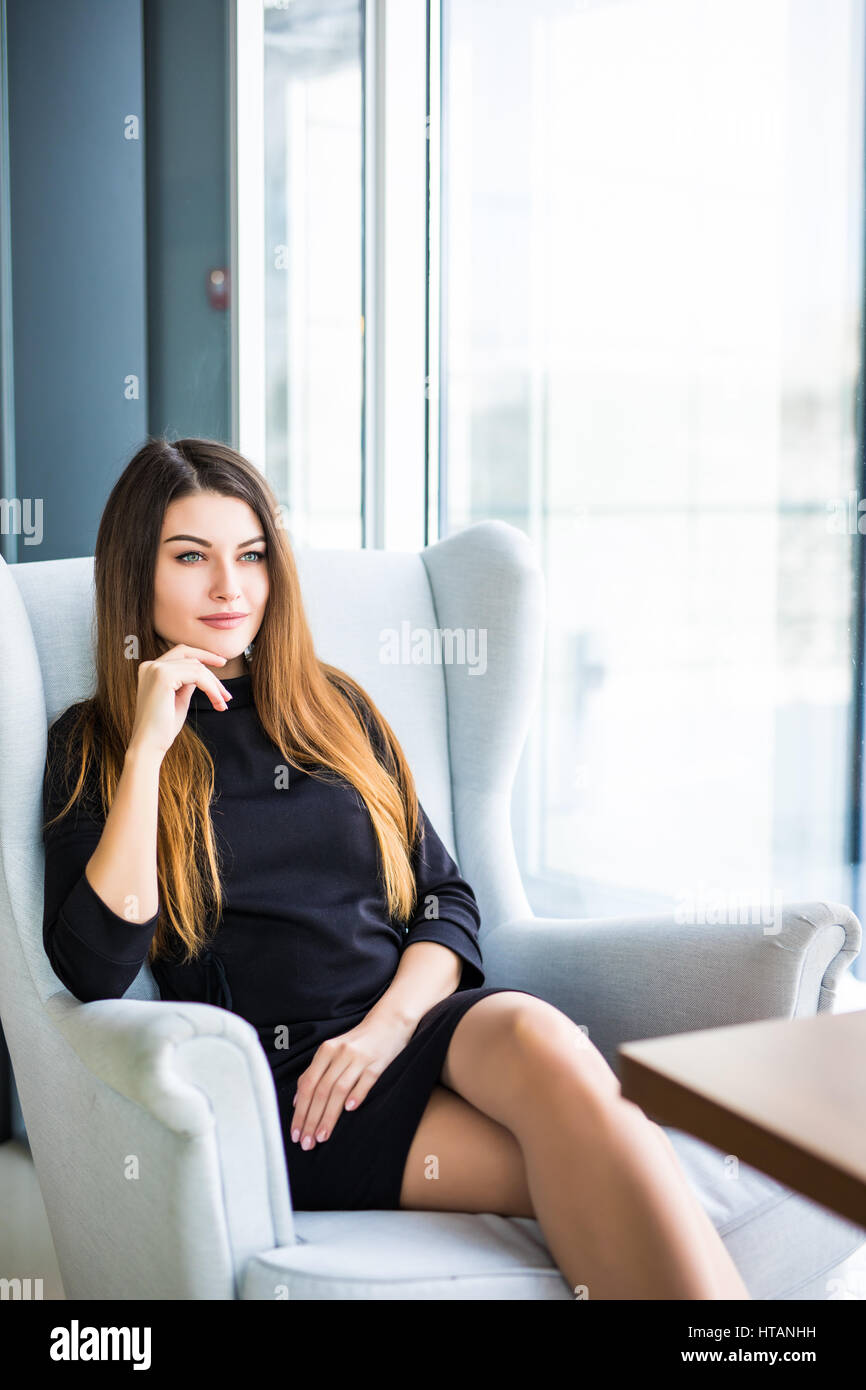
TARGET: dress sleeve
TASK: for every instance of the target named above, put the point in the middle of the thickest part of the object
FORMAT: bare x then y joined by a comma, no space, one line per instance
446,909
93,951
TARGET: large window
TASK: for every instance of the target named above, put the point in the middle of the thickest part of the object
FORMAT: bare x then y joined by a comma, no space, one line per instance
651,280
615,300
341,136
313,151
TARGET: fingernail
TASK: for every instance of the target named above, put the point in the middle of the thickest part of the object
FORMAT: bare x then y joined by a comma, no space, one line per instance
296,1134
322,1135
308,1143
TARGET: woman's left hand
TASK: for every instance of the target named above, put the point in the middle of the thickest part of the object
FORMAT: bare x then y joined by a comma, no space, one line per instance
343,1070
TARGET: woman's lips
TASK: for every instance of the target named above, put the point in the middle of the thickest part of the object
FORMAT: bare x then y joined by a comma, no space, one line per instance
224,622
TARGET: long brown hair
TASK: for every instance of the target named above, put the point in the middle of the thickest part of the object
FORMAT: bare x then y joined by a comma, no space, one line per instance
313,712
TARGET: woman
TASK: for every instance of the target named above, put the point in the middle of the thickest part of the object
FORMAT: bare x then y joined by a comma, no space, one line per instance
239,814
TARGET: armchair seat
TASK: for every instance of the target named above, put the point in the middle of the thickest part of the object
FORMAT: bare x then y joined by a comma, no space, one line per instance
785,1242
186,1087
407,1255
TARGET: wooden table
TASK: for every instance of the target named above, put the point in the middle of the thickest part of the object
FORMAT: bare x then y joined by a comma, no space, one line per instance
787,1096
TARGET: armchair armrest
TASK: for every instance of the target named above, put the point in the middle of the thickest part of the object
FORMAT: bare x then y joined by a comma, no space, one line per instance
186,1089
649,976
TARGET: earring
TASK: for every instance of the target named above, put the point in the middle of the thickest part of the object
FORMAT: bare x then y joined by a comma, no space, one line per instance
248,651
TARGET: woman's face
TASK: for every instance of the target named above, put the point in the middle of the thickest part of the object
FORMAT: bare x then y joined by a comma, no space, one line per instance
212,559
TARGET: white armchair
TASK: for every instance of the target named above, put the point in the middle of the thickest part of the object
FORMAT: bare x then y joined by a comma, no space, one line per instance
204,1211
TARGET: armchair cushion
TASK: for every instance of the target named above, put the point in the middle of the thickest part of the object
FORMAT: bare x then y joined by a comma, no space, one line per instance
650,976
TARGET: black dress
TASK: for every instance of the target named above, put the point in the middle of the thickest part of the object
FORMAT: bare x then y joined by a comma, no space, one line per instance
303,949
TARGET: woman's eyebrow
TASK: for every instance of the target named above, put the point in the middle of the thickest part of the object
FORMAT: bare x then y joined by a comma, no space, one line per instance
199,540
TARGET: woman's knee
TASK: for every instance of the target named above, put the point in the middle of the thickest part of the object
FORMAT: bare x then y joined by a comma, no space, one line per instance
513,1051
547,1048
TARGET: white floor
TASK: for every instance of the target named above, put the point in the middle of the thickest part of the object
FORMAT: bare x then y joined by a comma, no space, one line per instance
26,1248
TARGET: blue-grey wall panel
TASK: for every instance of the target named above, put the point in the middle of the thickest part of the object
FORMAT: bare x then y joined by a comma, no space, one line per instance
187,216
76,130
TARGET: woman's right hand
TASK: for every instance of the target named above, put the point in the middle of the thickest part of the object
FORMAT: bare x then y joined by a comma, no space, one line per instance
165,689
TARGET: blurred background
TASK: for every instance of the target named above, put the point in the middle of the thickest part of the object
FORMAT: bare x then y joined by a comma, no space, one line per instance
594,267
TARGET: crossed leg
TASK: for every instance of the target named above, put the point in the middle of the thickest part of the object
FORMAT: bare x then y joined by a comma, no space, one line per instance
462,1160
531,1121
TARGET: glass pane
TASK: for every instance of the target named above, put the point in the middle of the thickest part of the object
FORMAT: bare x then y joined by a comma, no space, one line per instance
651,301
313,111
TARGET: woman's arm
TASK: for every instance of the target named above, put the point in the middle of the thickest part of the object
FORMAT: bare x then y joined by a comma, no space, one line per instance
122,868
445,956
443,934
426,974
95,950
446,909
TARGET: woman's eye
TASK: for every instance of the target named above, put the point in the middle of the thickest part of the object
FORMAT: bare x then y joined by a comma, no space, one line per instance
257,554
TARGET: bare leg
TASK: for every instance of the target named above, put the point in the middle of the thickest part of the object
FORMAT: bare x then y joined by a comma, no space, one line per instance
609,1194
703,1228
639,1235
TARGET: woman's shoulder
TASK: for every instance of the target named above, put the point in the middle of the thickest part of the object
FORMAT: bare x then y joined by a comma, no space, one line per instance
70,722
64,748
